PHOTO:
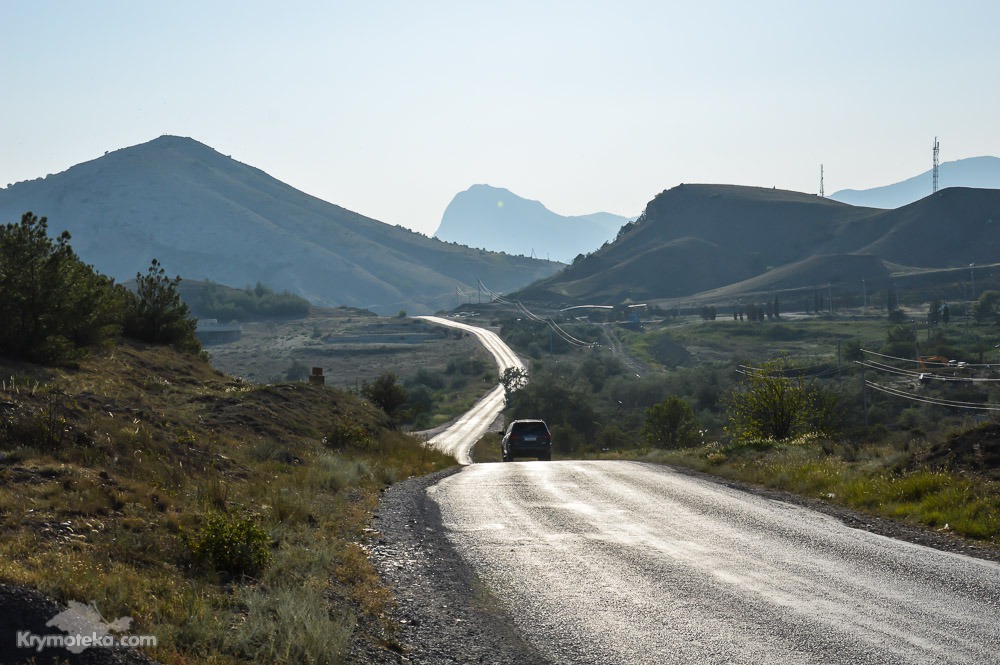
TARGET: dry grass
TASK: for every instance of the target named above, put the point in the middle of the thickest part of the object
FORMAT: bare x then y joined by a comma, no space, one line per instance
878,479
107,472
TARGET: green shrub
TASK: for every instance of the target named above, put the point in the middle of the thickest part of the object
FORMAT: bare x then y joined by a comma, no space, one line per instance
347,435
776,403
425,377
671,424
232,545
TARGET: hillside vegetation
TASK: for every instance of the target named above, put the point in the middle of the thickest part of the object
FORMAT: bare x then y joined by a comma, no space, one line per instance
224,518
695,241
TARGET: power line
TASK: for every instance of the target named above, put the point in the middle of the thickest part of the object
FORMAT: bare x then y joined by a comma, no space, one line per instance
935,363
746,370
895,392
565,336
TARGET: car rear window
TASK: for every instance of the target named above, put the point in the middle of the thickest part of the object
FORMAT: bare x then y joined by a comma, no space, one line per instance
530,428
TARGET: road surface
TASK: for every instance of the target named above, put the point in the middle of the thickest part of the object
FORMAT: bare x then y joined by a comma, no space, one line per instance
459,437
622,562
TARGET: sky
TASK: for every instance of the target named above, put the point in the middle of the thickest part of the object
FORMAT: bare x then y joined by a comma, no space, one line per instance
391,108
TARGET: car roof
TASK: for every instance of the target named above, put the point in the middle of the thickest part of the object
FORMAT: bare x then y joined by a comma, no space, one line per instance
526,423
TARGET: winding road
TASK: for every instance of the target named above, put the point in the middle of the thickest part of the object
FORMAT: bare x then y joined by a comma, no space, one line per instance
623,562
459,437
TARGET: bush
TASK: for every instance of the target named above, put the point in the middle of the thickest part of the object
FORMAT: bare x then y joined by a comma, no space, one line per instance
671,424
232,545
774,403
425,377
347,435
386,394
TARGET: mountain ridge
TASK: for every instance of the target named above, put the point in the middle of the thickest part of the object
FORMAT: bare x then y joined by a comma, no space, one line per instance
206,216
695,240
977,172
497,219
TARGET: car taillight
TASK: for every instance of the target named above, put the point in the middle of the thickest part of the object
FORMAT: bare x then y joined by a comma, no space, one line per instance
548,438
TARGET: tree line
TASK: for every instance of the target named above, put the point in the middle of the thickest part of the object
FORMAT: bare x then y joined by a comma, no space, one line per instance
53,306
249,304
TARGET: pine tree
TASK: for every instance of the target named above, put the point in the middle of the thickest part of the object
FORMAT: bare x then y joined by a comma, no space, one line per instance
158,315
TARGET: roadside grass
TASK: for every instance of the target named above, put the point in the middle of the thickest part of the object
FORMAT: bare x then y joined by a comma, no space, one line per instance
877,479
487,449
218,515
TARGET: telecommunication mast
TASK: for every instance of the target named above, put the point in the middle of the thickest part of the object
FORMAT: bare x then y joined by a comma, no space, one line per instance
937,149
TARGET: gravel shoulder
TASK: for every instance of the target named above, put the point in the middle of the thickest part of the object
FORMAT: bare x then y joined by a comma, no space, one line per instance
444,615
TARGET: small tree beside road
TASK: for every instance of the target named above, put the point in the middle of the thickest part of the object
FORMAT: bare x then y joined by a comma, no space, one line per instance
671,424
774,403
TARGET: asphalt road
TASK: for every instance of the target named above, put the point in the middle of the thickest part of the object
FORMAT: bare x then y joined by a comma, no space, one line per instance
461,435
621,562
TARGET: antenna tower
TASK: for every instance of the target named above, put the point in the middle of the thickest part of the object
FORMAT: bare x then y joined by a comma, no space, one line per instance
822,194
937,149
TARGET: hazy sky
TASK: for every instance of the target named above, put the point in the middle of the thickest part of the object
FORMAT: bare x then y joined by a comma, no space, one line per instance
391,108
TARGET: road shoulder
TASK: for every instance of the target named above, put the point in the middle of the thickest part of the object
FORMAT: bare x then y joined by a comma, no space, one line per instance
443,614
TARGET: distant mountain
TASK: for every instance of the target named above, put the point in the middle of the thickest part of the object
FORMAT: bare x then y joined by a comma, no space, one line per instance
496,219
979,172
206,216
729,240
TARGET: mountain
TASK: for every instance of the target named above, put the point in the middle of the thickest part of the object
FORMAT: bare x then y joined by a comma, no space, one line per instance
206,216
979,172
495,218
725,240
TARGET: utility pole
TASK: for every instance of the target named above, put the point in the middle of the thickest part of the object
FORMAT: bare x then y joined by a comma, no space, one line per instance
829,288
822,194
864,393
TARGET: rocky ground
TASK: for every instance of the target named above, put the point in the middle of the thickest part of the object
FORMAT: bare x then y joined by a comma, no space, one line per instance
444,615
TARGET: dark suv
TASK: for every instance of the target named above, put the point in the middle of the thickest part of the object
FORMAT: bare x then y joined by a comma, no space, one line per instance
527,438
